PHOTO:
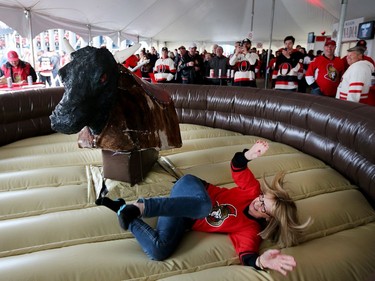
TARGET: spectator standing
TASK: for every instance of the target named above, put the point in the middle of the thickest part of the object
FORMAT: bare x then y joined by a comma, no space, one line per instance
191,66
214,47
164,69
363,44
207,67
311,55
272,68
17,69
219,63
64,58
288,66
244,62
45,67
177,62
324,72
153,56
146,68
171,55
55,63
302,85
356,81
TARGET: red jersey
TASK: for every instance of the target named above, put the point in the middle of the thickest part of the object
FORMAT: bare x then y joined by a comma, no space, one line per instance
18,73
326,73
132,62
229,212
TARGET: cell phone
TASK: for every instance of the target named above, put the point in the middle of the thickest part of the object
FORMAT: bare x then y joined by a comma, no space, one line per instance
286,49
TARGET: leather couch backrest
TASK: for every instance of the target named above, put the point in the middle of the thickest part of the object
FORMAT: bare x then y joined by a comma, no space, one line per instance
26,114
342,134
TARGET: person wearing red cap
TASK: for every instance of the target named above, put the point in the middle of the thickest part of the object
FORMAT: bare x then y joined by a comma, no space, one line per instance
324,72
17,69
363,44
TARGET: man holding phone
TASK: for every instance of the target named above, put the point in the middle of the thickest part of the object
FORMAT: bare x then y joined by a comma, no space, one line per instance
288,66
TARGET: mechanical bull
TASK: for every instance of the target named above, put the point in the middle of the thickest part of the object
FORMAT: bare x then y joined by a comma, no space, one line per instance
114,110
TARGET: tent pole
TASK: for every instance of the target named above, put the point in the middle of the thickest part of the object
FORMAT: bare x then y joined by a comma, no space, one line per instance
252,17
269,47
28,17
344,4
90,39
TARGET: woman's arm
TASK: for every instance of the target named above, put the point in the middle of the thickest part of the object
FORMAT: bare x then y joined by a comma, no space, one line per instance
270,259
242,176
275,260
257,150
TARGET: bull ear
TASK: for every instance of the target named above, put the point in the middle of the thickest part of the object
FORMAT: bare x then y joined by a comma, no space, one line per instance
123,55
68,48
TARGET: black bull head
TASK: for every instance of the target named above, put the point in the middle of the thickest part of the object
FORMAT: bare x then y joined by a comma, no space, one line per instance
111,108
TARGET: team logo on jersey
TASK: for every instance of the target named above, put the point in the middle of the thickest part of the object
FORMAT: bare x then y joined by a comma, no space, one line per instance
161,68
219,213
244,65
285,69
331,73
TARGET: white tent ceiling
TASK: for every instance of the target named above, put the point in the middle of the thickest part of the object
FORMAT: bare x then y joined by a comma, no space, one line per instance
182,20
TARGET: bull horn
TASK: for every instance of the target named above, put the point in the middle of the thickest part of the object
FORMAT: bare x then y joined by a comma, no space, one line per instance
123,55
68,48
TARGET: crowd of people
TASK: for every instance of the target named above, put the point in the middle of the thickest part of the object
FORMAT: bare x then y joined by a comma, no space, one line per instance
289,69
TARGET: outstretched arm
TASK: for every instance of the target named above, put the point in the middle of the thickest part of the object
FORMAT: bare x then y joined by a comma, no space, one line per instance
138,65
257,150
273,259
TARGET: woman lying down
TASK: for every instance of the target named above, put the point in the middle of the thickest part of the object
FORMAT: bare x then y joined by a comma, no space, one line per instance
246,213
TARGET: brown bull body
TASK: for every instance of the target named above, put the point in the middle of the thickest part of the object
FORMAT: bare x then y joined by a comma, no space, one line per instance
112,109
143,117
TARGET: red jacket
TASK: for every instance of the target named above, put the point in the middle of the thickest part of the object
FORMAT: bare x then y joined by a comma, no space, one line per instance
18,73
229,210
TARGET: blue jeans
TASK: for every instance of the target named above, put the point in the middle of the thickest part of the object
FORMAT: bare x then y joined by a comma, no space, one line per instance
188,200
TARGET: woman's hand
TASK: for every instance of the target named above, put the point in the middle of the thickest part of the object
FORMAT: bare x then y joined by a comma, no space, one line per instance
258,149
273,259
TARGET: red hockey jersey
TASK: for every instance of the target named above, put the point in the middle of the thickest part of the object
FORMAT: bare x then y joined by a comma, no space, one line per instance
229,209
326,74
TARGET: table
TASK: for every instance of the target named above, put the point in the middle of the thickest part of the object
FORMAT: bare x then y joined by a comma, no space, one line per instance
18,87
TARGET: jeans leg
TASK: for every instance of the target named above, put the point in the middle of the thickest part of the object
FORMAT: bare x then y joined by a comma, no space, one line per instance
188,198
159,243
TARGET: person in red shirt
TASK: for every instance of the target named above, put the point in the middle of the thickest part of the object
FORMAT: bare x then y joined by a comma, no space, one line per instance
324,72
17,69
246,213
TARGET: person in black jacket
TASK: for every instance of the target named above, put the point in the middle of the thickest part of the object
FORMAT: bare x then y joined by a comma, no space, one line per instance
191,66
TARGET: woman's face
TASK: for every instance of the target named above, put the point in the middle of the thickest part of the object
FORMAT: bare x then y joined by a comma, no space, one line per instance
262,206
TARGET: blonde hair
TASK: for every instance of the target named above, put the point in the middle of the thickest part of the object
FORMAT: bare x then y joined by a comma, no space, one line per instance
283,226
